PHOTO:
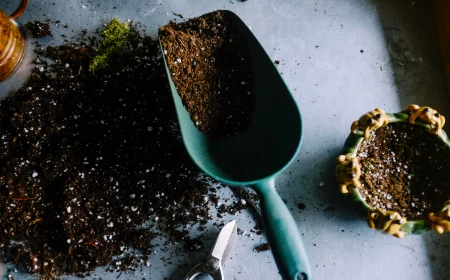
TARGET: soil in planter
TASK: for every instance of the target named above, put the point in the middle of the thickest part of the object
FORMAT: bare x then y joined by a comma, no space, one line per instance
211,69
88,159
405,169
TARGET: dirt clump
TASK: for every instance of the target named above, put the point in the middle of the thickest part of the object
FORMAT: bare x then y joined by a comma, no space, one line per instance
39,29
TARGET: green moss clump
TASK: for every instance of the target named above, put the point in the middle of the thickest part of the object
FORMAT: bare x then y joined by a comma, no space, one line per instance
113,38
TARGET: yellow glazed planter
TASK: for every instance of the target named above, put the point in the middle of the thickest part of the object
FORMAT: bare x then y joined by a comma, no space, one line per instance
348,170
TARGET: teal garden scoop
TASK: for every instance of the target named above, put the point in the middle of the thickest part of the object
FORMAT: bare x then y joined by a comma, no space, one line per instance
255,157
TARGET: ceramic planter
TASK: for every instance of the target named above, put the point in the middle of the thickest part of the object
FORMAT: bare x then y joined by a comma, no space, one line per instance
348,170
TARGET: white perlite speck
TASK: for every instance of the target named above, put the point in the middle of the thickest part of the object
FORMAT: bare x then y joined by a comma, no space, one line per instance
321,184
34,174
68,241
243,202
69,209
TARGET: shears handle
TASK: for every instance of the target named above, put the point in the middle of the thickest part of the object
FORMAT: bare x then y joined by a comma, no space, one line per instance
200,269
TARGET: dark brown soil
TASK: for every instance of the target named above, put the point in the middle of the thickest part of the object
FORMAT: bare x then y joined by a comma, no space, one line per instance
405,169
91,164
211,70
39,29
263,247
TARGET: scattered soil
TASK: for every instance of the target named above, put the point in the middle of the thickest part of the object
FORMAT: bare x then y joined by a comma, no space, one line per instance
301,206
405,169
91,164
277,62
247,197
178,15
211,69
262,248
258,229
39,29
195,244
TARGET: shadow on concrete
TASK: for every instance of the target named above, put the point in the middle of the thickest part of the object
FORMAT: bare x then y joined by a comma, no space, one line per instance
415,62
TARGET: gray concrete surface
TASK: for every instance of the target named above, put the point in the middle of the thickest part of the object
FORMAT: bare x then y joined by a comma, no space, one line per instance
340,59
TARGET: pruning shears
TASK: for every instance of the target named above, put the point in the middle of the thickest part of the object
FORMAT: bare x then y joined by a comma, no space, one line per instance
219,252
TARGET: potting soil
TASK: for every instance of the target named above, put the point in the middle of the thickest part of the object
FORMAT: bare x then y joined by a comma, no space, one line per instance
91,163
405,169
210,66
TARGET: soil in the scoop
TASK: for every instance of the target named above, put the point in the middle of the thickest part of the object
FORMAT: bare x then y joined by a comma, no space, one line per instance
210,66
405,169
39,29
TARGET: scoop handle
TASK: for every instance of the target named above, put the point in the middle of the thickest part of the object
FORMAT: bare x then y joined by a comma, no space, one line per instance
283,234
19,11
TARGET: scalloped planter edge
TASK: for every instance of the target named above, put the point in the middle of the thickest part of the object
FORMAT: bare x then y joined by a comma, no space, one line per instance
388,221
